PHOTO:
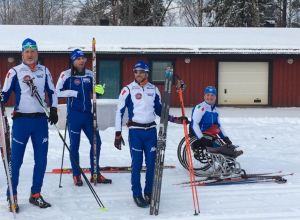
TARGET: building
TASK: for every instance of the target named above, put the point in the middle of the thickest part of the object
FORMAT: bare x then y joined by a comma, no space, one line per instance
249,66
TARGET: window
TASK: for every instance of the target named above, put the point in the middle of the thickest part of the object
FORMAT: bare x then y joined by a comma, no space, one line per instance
158,70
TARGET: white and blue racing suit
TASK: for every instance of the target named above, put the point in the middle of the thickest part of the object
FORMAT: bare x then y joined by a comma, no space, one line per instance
29,119
143,104
204,116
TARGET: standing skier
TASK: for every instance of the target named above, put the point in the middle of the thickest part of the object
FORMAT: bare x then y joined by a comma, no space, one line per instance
77,85
205,119
142,99
29,119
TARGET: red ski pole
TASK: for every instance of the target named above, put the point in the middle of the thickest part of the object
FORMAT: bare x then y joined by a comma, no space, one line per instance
180,87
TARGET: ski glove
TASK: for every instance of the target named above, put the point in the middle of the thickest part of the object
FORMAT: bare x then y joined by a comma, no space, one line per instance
204,142
53,117
227,140
119,140
100,89
178,120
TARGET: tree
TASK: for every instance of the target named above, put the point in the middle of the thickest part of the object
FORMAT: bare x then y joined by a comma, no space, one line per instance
92,12
143,12
7,12
192,11
233,13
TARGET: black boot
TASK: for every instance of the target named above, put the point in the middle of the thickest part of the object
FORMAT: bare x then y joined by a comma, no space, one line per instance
140,202
147,197
37,200
10,205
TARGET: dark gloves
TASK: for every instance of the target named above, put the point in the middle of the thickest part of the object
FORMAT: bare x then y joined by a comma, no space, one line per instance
227,140
178,120
119,140
53,117
204,142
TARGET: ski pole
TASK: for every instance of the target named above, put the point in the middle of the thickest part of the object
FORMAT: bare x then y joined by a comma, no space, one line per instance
63,155
35,93
180,86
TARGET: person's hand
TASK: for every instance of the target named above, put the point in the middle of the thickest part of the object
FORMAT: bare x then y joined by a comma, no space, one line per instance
227,140
119,140
53,117
204,142
178,120
100,89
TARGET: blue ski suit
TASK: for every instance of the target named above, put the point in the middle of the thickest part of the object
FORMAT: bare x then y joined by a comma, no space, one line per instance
78,89
29,120
143,104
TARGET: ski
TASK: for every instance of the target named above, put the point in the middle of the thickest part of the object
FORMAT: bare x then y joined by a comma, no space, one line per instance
251,178
6,152
161,144
106,169
275,173
235,181
94,62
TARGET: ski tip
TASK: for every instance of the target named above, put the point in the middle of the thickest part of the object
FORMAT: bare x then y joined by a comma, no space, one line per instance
103,209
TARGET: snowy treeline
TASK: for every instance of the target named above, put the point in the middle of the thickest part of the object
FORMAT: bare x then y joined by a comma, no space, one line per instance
234,13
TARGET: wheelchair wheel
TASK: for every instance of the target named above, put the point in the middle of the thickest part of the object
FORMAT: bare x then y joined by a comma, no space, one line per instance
199,156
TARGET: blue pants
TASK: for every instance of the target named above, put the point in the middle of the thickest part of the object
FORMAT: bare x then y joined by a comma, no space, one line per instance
142,141
22,129
78,121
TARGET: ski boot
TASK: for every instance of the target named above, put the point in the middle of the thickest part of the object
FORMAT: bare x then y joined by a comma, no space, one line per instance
37,200
77,180
147,197
101,179
140,202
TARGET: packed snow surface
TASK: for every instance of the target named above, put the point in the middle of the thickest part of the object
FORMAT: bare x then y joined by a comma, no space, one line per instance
270,140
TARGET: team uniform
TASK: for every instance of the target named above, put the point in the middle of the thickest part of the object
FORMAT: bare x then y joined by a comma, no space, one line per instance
29,120
143,104
204,117
78,88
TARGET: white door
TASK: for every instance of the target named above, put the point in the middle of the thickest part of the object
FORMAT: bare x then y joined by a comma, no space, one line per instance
243,83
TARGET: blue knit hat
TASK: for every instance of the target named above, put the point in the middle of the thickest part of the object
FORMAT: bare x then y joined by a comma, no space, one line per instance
76,54
29,43
211,90
141,65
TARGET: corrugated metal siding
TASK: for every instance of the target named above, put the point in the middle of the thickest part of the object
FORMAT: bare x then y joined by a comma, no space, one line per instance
286,83
197,74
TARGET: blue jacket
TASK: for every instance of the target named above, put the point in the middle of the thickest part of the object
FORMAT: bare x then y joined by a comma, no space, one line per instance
204,116
78,90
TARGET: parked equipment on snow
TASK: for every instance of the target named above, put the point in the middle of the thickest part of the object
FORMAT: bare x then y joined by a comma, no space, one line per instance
6,154
217,161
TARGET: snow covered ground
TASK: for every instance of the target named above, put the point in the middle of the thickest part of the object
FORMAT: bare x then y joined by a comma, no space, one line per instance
270,140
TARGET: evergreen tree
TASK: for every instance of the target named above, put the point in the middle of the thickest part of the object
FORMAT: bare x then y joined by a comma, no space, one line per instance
142,12
233,13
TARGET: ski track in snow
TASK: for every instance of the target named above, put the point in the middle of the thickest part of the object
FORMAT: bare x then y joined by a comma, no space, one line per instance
270,141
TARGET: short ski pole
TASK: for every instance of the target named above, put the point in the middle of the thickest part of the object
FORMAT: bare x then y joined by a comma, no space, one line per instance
63,155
